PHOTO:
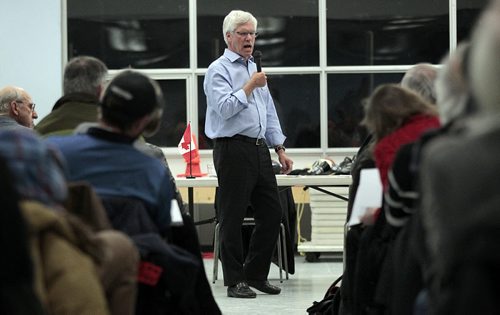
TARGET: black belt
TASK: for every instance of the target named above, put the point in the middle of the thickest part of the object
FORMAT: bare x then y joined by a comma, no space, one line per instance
256,141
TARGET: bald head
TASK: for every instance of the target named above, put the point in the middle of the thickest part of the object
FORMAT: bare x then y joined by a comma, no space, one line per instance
420,79
16,103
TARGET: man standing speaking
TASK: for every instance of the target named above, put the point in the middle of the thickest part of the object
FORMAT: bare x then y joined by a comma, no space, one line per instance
242,120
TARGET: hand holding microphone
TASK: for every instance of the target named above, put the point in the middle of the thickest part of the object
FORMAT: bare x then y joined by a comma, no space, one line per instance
259,77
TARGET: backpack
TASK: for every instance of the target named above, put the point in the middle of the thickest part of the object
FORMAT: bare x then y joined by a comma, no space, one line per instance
330,303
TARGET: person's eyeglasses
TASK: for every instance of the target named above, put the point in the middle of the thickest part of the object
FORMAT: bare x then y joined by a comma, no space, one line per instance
31,106
245,34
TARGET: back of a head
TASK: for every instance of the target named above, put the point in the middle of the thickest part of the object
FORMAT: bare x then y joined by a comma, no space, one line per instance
129,97
84,74
389,106
484,62
38,169
420,79
235,18
452,88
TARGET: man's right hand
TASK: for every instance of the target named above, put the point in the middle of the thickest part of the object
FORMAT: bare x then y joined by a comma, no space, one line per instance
258,79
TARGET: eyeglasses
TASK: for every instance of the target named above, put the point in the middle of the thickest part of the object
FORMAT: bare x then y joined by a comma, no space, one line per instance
31,106
245,34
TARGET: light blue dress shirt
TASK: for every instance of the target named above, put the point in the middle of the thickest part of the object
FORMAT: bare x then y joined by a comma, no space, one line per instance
230,111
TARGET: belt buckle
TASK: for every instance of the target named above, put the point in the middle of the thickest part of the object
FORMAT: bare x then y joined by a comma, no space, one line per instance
258,141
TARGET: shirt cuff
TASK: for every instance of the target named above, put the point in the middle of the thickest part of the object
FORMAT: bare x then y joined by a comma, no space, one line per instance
241,96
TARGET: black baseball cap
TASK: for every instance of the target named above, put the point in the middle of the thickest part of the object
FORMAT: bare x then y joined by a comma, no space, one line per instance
132,95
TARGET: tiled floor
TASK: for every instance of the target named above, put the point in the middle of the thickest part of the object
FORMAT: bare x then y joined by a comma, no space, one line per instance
308,284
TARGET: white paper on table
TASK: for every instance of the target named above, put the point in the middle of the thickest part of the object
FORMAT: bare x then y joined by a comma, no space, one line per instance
175,213
368,195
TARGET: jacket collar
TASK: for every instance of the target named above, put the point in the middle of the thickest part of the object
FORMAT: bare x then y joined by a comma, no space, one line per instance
76,97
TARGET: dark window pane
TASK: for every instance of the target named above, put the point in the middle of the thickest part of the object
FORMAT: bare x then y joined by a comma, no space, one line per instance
204,141
173,122
288,31
296,98
123,33
345,111
467,14
386,32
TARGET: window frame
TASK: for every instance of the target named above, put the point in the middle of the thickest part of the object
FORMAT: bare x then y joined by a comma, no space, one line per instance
193,73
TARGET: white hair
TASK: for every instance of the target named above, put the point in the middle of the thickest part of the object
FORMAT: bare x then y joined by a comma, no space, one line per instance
9,94
234,19
420,79
452,88
484,60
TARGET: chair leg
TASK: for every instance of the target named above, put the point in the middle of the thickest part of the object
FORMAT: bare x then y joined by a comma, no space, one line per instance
285,254
280,258
282,254
216,253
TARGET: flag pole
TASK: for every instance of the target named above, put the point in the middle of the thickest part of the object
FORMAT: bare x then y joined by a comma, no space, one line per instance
190,150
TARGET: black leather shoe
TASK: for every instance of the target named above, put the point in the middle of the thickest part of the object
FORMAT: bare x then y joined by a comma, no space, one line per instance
241,290
264,286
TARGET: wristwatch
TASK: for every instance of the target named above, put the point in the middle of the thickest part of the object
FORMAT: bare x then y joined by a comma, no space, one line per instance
279,147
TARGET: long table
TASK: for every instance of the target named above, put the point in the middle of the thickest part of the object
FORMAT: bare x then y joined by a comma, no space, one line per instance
316,182
310,181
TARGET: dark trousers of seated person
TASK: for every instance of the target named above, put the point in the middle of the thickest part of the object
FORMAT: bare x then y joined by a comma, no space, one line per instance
245,177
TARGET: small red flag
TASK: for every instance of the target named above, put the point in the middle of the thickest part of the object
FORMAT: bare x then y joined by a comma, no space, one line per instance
187,143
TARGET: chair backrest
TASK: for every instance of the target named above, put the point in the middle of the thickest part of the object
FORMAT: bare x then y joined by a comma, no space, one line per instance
84,202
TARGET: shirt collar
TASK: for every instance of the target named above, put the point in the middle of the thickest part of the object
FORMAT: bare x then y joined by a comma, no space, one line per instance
76,97
232,56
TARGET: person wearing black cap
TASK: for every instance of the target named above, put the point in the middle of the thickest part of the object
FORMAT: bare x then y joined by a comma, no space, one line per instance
104,153
112,157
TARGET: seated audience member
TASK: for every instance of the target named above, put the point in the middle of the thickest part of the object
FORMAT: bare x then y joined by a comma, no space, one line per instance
83,82
125,176
453,104
75,268
395,116
104,155
17,294
402,197
420,79
84,79
460,176
16,108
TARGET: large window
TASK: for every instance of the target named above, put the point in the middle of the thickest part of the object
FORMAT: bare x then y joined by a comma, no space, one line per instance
128,33
386,32
288,31
322,57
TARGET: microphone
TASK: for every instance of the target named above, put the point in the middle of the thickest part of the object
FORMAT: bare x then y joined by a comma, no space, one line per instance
257,56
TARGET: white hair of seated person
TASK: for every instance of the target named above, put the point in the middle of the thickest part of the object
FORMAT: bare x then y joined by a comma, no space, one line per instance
452,88
484,61
420,79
